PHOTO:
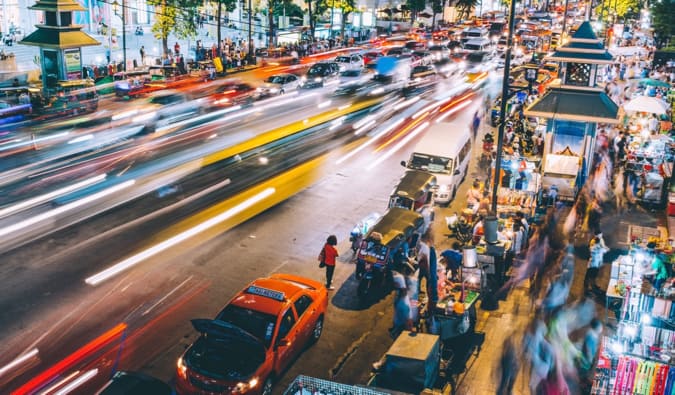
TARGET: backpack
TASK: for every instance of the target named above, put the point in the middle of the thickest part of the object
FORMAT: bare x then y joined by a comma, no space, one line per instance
322,257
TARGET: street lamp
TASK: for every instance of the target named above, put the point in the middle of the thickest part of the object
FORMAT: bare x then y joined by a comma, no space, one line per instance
116,9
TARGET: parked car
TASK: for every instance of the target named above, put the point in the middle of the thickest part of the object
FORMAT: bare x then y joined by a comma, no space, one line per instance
255,338
278,84
350,62
319,74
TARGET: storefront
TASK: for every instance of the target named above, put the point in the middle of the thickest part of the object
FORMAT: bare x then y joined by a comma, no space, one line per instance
520,183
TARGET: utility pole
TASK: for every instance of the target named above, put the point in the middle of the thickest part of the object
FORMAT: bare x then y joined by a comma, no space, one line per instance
505,98
250,40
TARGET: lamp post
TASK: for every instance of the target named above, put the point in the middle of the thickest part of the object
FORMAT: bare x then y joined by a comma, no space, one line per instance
505,98
250,40
116,8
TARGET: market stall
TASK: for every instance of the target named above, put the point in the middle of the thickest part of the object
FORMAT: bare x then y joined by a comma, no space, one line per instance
638,358
520,183
649,166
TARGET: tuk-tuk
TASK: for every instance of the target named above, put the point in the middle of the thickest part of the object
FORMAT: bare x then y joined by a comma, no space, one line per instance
415,192
17,103
73,97
130,83
203,69
376,254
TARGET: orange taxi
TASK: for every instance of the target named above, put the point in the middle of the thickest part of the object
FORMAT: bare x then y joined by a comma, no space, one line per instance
254,338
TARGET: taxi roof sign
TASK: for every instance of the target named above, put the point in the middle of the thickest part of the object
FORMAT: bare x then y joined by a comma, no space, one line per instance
268,293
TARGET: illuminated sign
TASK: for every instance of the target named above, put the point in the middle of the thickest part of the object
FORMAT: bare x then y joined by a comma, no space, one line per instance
268,293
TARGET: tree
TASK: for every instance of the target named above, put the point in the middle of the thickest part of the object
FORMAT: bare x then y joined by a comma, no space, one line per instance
465,7
272,7
663,21
437,7
415,6
174,16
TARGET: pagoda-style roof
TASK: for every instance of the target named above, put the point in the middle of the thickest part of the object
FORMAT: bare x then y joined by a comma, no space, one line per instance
581,105
57,5
584,47
59,38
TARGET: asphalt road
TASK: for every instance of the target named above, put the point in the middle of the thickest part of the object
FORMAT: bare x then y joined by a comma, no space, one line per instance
47,305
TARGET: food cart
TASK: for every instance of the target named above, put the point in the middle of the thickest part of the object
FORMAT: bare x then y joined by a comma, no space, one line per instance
411,365
520,183
305,385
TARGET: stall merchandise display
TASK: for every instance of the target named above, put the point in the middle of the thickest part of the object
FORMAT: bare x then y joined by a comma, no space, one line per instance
305,385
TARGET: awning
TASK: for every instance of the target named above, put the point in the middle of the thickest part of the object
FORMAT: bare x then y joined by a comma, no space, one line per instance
59,39
581,57
575,105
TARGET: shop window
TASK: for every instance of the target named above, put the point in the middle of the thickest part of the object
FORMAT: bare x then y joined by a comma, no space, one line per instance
578,74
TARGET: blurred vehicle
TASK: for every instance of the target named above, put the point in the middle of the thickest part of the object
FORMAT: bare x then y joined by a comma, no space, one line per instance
414,45
372,56
358,75
16,103
278,84
319,74
422,57
350,62
397,51
73,97
423,73
439,52
391,69
454,45
134,383
130,83
446,67
255,338
501,44
515,60
474,33
478,45
233,92
164,108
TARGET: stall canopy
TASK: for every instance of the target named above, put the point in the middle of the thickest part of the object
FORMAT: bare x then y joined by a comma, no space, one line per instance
646,104
397,223
653,82
575,105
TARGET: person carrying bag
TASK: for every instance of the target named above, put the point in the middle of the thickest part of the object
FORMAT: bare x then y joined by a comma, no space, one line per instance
327,259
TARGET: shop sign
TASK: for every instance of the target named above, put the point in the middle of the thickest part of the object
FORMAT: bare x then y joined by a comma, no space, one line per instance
73,62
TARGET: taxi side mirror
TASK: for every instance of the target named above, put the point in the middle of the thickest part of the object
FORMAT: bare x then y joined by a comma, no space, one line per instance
457,172
403,163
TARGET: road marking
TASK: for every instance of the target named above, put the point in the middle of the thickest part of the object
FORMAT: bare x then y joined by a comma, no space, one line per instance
167,295
20,360
168,243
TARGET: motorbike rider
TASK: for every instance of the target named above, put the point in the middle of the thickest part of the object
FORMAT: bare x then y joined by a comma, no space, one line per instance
374,240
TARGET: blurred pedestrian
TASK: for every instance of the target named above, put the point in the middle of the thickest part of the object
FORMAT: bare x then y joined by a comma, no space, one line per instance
176,48
475,125
329,259
588,355
423,258
597,250
509,364
142,52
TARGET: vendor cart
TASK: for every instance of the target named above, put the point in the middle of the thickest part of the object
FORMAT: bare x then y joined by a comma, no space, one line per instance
305,385
411,365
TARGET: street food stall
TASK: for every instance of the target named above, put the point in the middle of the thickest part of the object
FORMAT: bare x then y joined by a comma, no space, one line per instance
520,183
649,164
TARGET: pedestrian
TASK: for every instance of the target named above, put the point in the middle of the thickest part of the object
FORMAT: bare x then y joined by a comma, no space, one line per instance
588,354
142,52
475,125
432,281
402,313
176,48
509,366
423,258
597,251
330,253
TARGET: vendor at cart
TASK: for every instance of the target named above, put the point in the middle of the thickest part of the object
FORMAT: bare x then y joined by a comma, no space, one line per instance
659,271
452,260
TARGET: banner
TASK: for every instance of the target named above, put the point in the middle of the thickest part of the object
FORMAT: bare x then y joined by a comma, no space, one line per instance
73,63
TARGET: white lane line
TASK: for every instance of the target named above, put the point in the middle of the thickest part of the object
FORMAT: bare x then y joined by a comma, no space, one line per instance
77,383
398,146
166,244
167,295
20,360
48,196
52,213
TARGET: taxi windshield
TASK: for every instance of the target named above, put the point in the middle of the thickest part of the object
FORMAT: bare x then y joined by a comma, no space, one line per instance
258,324
434,164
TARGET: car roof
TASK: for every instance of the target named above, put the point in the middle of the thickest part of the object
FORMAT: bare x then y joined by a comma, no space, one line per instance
271,294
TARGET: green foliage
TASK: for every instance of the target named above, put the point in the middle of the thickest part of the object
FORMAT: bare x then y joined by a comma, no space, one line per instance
174,16
465,7
291,9
416,6
436,6
663,20
620,6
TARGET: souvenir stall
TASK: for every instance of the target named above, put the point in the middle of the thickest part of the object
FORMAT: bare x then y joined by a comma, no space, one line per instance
638,358
519,185
649,161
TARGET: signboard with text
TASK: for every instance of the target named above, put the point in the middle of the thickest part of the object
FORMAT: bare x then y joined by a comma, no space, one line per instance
73,60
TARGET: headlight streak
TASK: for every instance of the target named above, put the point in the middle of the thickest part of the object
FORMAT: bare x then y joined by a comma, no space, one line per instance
18,361
324,104
370,141
363,128
406,103
453,110
81,139
48,196
60,383
71,206
77,382
398,146
166,244
33,141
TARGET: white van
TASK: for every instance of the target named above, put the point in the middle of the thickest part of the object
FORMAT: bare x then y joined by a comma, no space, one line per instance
474,33
445,152
478,45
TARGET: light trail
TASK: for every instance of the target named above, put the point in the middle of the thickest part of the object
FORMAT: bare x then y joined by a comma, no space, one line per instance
454,110
370,141
166,244
51,195
52,213
77,382
398,146
18,361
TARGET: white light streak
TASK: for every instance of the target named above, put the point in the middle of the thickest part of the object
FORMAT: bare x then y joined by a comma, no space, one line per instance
20,360
400,145
78,382
370,141
324,104
166,244
52,213
453,110
48,196
33,141
81,139
406,103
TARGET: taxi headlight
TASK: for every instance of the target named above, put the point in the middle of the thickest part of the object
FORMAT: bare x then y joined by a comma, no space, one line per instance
274,90
181,368
317,79
246,386
443,188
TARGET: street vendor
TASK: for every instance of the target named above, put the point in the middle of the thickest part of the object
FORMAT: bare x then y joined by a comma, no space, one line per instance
658,267
452,259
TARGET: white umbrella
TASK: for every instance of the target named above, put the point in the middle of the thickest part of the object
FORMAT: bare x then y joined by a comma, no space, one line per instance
646,104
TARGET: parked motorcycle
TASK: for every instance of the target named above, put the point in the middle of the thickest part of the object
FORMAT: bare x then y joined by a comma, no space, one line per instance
361,229
461,227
